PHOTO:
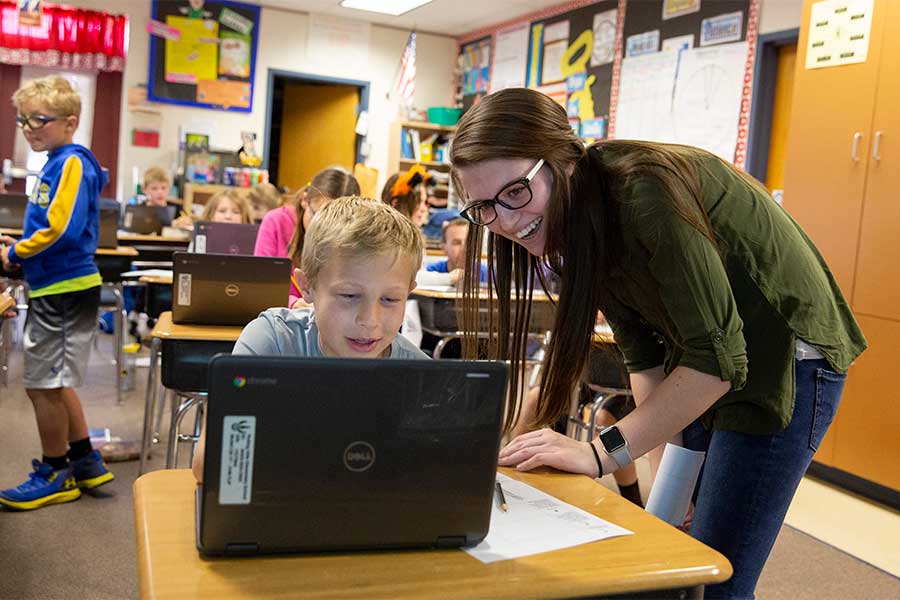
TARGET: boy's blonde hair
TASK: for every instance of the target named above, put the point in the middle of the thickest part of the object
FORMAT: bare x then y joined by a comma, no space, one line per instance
53,91
265,194
155,175
218,197
355,227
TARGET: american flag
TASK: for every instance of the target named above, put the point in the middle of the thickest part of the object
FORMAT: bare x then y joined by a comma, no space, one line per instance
406,84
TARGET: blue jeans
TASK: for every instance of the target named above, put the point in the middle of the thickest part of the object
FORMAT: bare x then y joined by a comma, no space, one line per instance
748,481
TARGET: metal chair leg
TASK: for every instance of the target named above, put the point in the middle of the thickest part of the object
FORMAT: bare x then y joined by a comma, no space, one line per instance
149,402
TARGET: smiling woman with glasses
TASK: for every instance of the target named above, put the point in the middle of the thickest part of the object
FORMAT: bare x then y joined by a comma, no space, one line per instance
735,334
514,195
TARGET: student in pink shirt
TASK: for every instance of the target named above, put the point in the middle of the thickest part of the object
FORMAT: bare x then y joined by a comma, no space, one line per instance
283,229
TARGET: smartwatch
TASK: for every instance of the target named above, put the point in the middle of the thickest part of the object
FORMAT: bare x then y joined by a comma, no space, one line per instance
616,446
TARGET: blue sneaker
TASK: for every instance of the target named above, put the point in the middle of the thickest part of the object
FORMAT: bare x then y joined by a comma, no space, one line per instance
90,471
44,486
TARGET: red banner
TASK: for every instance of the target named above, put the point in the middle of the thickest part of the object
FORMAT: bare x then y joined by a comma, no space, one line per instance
68,38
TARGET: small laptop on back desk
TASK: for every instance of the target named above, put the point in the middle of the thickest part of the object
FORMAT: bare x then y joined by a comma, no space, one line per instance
315,454
225,238
12,210
221,289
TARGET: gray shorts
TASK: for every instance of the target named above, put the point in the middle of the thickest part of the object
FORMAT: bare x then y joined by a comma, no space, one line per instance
59,333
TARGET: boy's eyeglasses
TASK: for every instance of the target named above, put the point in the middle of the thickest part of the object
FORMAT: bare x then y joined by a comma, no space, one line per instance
35,121
512,196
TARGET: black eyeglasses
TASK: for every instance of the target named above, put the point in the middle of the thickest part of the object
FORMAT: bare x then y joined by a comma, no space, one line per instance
35,121
513,196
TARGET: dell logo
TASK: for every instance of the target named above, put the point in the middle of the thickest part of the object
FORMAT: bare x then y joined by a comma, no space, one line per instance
232,290
359,456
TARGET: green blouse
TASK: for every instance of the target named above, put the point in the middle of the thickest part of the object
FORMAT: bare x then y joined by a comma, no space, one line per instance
736,312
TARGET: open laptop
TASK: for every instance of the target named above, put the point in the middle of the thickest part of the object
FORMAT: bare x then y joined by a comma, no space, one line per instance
141,218
222,289
12,210
313,454
224,238
109,226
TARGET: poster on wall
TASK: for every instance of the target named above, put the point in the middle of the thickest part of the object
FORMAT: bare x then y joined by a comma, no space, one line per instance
571,59
510,58
203,53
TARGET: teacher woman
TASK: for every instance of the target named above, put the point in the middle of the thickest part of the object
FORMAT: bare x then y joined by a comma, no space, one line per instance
735,335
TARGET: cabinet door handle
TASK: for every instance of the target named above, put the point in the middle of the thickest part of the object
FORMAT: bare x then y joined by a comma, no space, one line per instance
876,143
855,147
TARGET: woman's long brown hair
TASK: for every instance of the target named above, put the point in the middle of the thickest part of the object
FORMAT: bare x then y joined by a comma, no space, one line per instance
583,239
328,184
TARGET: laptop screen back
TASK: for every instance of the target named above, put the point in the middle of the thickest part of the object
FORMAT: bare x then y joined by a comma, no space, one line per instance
221,289
224,238
318,454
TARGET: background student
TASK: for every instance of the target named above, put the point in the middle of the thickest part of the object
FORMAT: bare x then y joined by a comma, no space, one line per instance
735,334
56,251
328,184
155,188
406,193
227,206
358,266
263,198
453,245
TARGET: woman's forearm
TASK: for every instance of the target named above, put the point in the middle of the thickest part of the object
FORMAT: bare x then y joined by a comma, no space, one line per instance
665,406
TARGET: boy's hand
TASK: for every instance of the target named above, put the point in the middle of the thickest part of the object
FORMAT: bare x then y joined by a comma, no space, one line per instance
7,306
456,275
5,243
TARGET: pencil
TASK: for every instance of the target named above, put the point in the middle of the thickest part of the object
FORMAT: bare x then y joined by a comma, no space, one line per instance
500,496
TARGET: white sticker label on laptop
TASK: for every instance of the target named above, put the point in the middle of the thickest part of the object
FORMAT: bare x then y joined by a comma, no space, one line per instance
236,476
128,220
184,289
200,243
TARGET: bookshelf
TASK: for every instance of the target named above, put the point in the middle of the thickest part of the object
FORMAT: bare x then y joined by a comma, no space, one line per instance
399,158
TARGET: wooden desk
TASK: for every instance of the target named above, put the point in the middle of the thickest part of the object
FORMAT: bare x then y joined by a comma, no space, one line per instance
438,310
11,231
156,280
128,237
184,351
117,251
656,557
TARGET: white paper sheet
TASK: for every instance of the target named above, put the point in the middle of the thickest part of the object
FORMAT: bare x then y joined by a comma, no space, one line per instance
510,59
838,33
674,485
604,50
645,97
707,101
147,273
537,522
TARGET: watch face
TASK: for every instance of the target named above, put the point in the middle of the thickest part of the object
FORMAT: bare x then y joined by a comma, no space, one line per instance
612,439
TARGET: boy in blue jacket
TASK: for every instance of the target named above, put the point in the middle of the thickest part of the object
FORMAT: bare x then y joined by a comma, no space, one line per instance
57,254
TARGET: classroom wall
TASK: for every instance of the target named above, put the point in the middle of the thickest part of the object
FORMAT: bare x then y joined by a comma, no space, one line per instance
282,45
778,15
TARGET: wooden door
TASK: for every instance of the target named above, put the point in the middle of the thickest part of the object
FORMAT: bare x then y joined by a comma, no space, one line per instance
877,289
824,185
318,130
867,440
781,116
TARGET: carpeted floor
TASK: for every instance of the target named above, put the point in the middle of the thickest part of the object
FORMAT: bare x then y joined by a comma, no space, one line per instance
86,549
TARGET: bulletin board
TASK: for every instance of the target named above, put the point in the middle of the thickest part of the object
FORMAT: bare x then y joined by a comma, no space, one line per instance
203,53
644,64
474,69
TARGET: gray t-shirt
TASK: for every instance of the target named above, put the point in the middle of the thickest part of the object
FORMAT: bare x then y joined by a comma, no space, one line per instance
285,332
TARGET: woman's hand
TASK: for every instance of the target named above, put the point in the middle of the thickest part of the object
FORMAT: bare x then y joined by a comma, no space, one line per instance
545,447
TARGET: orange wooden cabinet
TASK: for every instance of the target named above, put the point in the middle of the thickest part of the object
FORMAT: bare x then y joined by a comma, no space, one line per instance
841,181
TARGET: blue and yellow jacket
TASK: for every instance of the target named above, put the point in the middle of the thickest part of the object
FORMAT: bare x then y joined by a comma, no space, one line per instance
61,226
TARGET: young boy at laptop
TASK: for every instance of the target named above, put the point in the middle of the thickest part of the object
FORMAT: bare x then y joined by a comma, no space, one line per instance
57,253
358,266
